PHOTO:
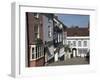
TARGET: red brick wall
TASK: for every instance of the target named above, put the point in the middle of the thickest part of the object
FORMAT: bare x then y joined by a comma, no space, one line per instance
38,62
30,22
41,27
30,28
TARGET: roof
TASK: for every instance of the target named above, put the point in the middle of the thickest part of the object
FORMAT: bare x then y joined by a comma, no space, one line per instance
64,26
76,31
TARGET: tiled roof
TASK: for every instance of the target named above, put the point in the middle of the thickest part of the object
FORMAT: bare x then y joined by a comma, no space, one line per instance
75,31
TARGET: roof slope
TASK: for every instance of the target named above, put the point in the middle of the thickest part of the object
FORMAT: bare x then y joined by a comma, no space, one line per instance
76,31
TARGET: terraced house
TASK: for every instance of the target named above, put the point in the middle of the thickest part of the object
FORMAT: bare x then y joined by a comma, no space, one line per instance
44,38
35,47
58,39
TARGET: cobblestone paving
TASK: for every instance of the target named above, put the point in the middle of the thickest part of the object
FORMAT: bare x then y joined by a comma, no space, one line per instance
72,61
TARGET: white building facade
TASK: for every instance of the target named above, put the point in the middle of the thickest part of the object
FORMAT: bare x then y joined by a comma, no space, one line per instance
79,42
79,45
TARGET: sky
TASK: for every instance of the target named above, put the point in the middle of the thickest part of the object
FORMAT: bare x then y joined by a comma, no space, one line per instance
74,20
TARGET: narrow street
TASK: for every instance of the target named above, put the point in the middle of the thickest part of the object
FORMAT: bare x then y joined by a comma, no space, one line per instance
72,61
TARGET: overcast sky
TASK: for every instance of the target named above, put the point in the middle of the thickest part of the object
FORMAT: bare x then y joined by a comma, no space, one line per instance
74,20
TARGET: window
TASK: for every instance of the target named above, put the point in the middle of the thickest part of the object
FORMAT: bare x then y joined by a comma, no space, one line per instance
58,38
74,43
85,43
33,53
85,51
40,48
36,15
49,31
37,52
82,51
36,31
79,43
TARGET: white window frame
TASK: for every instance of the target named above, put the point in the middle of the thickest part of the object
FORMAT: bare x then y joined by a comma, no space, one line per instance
41,52
33,53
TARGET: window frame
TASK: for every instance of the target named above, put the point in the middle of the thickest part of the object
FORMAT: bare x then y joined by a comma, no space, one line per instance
79,43
36,52
85,43
74,43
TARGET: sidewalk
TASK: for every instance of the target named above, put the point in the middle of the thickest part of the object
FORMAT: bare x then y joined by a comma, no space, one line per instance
72,61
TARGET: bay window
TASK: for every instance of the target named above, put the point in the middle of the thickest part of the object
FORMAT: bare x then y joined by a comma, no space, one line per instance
37,52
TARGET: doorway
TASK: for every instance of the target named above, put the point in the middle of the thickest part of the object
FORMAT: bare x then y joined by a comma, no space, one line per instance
74,52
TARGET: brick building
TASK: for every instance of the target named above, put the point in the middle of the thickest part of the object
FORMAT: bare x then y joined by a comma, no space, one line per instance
39,36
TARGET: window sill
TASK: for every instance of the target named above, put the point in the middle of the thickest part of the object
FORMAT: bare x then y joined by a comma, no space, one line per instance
36,58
